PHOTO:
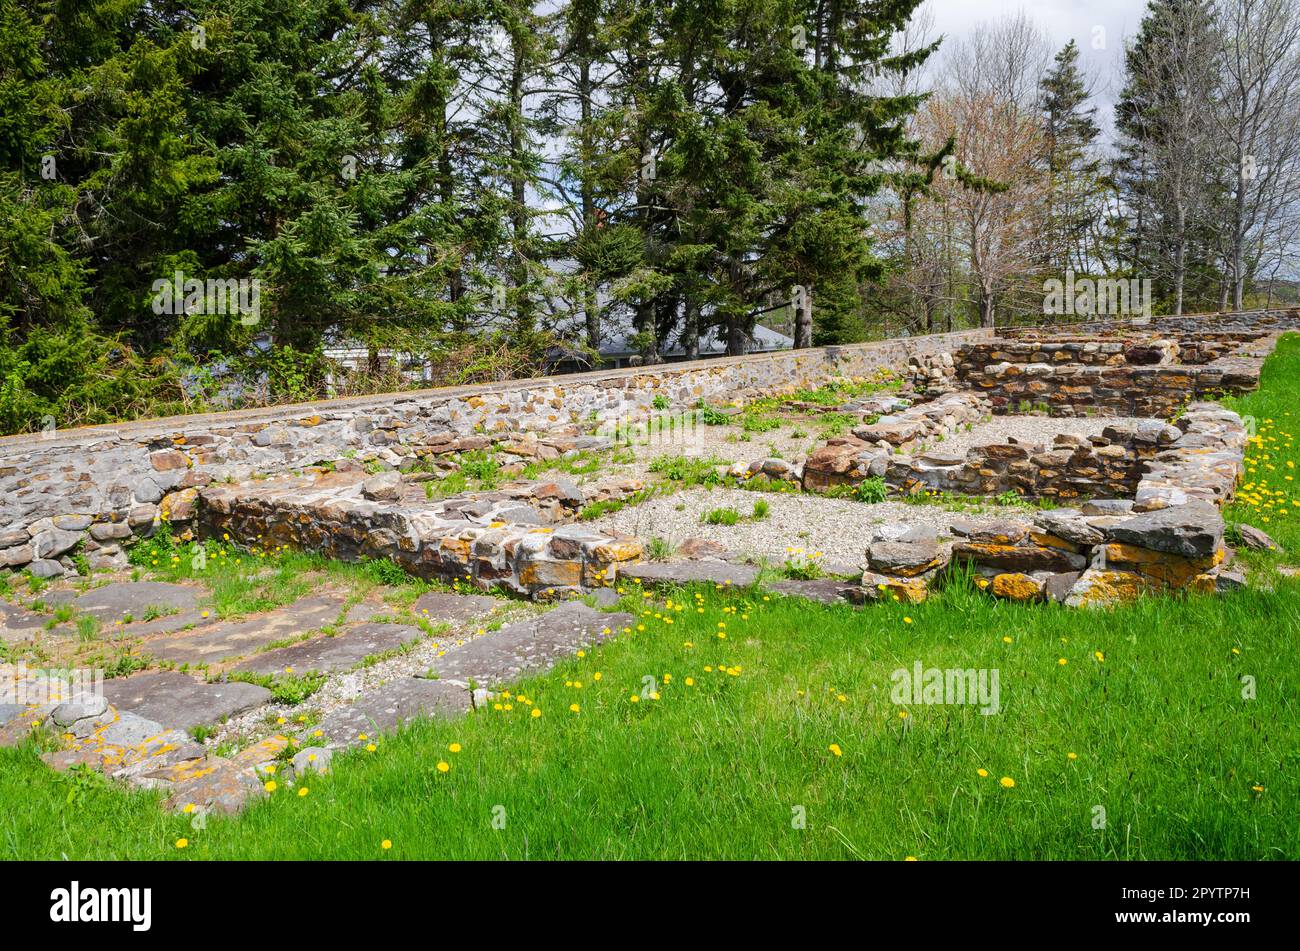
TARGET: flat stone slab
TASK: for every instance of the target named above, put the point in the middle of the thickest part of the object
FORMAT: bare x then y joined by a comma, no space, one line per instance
686,572
503,656
111,602
329,654
168,624
19,624
389,705
179,701
446,606
233,639
823,590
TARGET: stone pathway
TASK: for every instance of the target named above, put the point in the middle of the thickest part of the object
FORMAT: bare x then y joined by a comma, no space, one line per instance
329,654
227,640
181,701
138,729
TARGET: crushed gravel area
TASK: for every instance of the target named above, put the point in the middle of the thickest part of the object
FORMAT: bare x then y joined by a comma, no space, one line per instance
839,528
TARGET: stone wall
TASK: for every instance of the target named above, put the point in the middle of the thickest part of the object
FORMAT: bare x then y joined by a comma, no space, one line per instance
97,487
1083,377
524,542
1102,552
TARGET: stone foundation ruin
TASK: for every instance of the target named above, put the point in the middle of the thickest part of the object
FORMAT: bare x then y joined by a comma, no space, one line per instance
342,478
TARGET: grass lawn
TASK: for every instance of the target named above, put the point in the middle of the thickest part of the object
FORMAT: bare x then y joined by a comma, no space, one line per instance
1121,735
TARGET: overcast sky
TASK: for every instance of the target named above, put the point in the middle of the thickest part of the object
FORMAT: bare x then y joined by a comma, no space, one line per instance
1110,22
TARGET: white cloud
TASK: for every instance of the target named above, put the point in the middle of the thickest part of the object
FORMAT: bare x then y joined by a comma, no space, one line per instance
1090,23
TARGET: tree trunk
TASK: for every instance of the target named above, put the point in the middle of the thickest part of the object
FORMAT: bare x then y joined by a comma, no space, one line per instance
736,342
803,322
691,329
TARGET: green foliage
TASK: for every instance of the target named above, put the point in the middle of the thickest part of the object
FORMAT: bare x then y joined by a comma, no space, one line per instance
385,572
720,516
689,470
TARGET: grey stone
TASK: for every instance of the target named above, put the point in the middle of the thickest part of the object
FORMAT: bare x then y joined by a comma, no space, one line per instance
822,590
447,606
46,569
901,557
330,654
1194,530
108,531
1057,586
73,523
54,542
1259,540
528,646
687,572
232,639
384,487
390,705
1069,525
605,597
1005,532
16,556
117,599
1107,507
180,701
66,714
129,729
147,490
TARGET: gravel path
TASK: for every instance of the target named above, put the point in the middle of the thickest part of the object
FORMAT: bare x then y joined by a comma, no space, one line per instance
838,528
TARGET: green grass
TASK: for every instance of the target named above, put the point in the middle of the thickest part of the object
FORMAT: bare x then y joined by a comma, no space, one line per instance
1165,743
721,516
1164,737
689,470
1269,497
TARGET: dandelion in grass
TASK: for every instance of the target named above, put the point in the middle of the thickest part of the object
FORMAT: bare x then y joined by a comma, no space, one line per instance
443,766
302,792
386,844
271,785
835,749
182,843
982,773
453,748
1007,782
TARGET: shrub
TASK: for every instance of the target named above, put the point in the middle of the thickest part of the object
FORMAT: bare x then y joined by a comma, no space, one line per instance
871,490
